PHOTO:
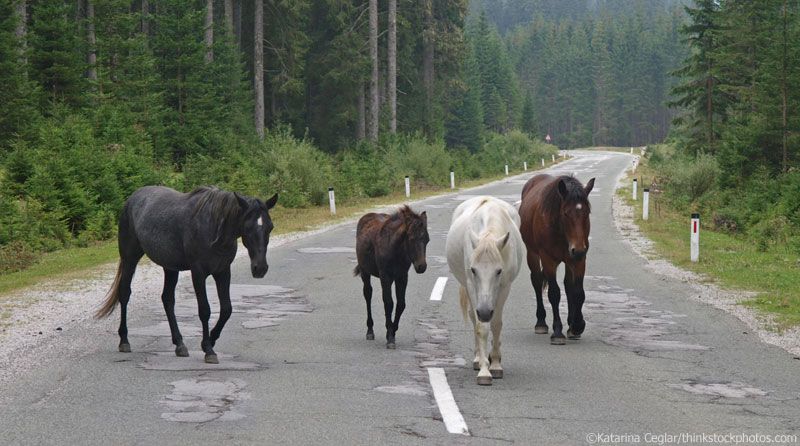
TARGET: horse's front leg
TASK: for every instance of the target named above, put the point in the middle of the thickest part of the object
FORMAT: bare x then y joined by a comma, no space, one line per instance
400,294
388,304
482,336
204,311
168,299
223,281
554,295
573,284
497,326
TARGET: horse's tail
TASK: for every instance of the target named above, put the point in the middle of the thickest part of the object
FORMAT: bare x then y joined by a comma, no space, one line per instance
112,297
357,271
464,299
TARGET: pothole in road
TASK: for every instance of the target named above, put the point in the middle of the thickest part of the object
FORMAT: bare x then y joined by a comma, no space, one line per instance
200,400
636,327
719,389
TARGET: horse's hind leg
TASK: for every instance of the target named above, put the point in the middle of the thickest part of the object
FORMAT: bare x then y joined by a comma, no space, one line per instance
168,299
365,277
127,268
537,280
386,290
223,281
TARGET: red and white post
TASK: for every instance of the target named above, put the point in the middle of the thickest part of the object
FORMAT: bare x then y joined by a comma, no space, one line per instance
695,238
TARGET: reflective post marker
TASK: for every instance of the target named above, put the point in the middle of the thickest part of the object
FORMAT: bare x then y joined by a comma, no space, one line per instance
645,203
554,158
506,169
695,239
408,187
452,180
631,150
525,165
333,201
634,189
542,162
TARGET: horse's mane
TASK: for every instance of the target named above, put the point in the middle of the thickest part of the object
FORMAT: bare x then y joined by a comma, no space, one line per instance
551,199
222,206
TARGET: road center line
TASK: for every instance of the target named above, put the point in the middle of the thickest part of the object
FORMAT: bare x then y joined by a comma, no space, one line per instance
451,416
438,288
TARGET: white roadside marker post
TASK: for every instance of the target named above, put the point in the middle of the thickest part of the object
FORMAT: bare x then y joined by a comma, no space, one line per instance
525,165
452,180
332,200
645,204
408,187
695,238
542,162
634,189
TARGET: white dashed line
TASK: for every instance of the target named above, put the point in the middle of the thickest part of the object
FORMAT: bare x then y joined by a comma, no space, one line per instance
447,405
438,288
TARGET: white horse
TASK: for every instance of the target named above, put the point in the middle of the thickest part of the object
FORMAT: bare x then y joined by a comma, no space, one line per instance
484,251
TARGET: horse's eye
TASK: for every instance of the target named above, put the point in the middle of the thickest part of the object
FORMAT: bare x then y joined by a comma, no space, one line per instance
473,271
499,271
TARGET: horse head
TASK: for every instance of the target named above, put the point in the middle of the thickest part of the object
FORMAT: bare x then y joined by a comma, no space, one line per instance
416,239
486,269
574,215
255,228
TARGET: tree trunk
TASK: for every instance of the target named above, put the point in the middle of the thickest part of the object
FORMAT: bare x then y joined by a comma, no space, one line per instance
21,32
237,23
208,24
427,65
783,93
361,127
145,18
229,20
92,57
373,82
392,63
258,66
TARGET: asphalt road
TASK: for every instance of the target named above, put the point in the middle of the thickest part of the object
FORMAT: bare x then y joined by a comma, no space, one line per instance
295,367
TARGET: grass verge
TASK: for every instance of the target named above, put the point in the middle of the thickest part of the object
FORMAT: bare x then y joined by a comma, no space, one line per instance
731,261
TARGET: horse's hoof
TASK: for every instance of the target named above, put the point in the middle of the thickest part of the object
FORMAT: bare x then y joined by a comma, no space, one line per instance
212,359
572,335
558,341
496,374
541,329
125,348
370,336
476,365
484,380
181,351
391,345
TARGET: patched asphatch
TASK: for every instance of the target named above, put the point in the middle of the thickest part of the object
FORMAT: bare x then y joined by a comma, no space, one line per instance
260,221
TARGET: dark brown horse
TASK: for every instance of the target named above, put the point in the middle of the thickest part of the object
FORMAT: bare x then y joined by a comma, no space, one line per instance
554,216
386,247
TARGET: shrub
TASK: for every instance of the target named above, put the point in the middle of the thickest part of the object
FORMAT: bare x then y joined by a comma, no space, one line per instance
691,179
422,162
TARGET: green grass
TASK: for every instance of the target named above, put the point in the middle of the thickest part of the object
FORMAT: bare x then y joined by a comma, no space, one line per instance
731,261
73,263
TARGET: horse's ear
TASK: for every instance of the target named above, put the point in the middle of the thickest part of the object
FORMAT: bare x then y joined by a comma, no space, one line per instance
473,238
589,186
424,216
242,200
502,242
271,202
562,188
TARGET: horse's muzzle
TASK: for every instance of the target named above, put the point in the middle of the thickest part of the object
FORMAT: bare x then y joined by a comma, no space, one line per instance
420,268
259,271
484,313
577,255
